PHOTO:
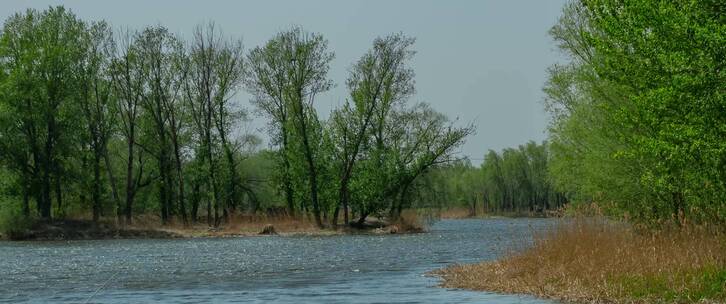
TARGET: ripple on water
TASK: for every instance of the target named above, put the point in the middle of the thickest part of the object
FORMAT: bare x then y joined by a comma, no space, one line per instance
331,269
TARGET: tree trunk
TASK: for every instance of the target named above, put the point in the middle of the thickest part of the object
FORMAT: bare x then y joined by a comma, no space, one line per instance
180,176
312,175
289,195
45,208
163,198
96,185
209,213
362,219
45,204
130,176
213,180
336,213
233,195
314,191
114,191
58,194
26,201
345,209
404,200
195,202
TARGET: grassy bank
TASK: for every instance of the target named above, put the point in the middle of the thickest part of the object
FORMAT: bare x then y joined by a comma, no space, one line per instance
595,261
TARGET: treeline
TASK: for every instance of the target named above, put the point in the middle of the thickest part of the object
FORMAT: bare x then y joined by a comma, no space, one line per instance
517,180
639,112
513,181
144,122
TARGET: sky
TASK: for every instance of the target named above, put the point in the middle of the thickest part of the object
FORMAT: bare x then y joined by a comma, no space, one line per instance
477,61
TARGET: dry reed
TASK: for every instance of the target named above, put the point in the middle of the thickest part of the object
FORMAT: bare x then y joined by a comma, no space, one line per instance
455,213
237,225
597,261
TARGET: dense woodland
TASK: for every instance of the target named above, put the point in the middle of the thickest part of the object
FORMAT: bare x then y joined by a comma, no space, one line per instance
110,125
514,181
113,125
639,112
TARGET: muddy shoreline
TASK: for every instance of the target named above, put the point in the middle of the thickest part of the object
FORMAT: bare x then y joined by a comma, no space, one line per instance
64,230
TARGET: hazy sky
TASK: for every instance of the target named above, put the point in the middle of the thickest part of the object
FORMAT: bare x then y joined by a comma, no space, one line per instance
481,61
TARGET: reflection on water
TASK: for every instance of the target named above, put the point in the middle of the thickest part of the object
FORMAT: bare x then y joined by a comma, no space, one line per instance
329,269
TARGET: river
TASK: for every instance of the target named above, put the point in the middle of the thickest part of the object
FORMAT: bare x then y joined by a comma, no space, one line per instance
265,269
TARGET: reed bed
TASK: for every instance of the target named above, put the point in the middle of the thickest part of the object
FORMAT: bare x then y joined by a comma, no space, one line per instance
593,260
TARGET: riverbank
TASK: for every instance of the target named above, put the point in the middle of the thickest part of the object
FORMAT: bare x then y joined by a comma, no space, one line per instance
238,226
456,213
595,261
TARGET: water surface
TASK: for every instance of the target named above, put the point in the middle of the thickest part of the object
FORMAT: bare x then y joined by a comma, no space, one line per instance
269,269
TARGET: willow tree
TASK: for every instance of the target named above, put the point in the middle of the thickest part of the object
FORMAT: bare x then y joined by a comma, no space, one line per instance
421,139
286,75
380,79
159,52
267,80
40,52
127,79
96,100
214,73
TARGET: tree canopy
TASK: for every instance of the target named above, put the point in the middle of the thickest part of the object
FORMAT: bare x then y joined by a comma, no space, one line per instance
114,125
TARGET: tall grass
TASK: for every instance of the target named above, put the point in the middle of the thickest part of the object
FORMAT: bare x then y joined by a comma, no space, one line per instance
597,261
413,221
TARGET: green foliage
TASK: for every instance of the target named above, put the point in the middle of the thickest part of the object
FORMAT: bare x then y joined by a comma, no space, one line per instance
366,158
40,53
517,180
142,122
455,184
638,115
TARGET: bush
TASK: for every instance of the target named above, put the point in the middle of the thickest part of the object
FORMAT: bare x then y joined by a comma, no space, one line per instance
412,221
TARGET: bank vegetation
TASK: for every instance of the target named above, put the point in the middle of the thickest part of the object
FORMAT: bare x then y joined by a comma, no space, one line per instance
638,126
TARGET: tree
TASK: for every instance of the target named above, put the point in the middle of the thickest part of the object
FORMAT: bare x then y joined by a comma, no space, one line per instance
423,138
301,61
160,54
96,103
127,78
267,80
378,81
40,52
214,73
